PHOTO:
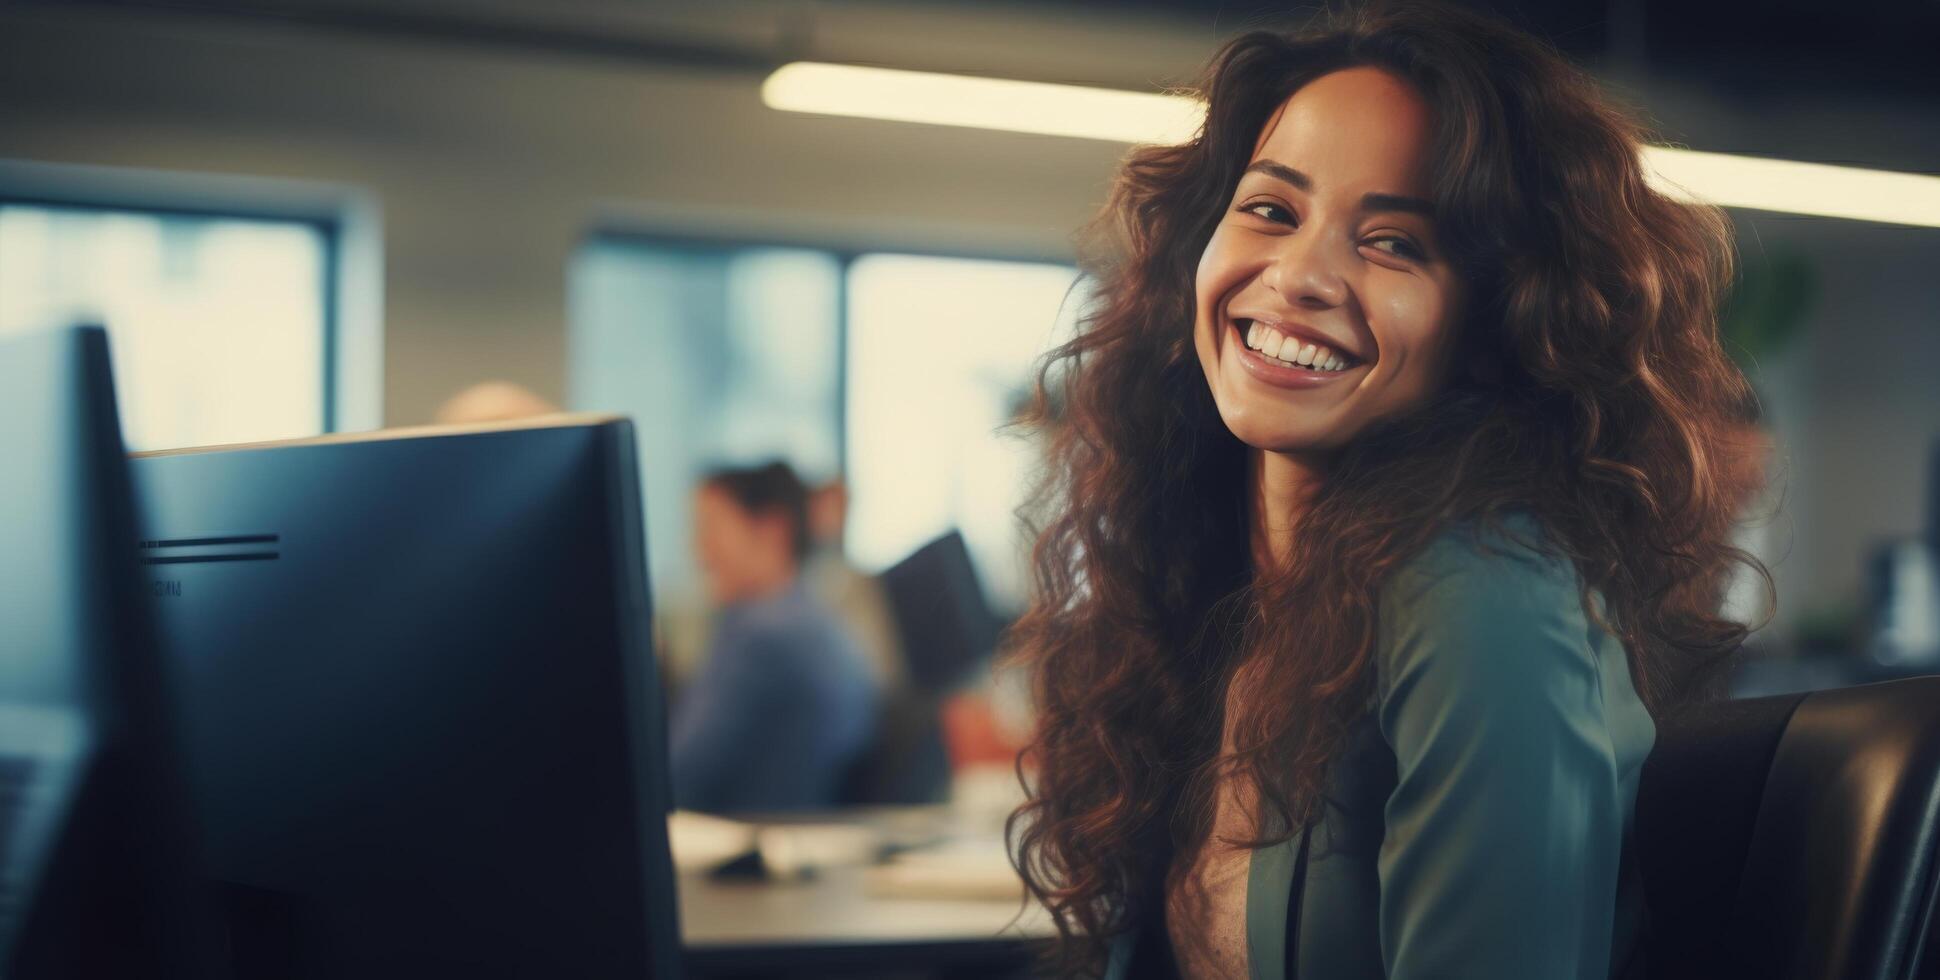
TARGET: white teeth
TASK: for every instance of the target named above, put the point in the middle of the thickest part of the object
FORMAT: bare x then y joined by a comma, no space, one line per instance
1272,343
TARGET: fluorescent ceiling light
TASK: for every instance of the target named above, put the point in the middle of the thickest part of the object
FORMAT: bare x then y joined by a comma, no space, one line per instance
1800,188
983,103
1141,117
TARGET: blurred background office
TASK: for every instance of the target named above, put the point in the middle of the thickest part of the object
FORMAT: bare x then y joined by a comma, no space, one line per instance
322,215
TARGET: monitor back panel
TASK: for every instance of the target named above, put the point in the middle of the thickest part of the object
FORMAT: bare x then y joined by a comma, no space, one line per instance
419,712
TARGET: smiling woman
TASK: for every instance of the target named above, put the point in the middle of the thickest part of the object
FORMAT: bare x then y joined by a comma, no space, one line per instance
1384,511
1297,244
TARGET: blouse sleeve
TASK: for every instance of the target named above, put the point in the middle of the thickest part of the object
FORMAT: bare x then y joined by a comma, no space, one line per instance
1505,827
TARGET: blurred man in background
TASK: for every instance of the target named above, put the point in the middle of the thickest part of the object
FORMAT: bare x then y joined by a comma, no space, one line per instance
785,700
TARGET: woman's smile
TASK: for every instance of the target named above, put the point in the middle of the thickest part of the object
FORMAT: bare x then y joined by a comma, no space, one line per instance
1294,343
1286,361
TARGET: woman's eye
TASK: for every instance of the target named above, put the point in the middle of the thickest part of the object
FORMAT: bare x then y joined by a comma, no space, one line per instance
1403,247
1268,210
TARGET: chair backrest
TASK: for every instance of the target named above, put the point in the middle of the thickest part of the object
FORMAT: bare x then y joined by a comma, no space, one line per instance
946,630
1793,837
942,617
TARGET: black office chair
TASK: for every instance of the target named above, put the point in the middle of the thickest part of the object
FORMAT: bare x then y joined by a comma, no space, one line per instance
1793,837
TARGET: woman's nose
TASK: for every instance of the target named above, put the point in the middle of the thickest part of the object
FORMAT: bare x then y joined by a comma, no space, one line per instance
1303,273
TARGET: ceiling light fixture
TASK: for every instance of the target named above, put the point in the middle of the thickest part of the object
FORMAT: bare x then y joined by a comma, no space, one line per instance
1147,117
984,103
1795,187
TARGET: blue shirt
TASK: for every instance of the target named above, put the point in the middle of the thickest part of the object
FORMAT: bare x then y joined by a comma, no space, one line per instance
782,706
1478,823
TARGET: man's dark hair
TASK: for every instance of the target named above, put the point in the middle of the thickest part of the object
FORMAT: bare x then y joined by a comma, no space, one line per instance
772,488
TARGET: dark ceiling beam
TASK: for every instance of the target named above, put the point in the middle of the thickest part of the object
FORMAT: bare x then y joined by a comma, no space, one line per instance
404,21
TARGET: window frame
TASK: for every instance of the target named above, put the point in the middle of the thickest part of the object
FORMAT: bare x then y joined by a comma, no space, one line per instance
345,217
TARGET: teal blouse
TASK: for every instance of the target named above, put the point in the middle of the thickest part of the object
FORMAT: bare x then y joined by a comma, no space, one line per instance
1478,822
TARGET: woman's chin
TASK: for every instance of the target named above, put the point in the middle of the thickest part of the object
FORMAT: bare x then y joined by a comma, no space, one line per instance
1276,436
1291,447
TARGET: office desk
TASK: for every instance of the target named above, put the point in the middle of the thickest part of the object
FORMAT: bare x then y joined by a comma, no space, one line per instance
831,923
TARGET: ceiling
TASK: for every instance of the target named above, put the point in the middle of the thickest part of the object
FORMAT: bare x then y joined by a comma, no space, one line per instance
1881,44
1857,79
1884,46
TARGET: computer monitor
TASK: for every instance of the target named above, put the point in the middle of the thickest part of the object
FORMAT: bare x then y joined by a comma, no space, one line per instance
94,877
421,719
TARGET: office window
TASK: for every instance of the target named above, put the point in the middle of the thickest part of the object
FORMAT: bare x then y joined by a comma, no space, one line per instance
896,371
218,325
722,355
940,358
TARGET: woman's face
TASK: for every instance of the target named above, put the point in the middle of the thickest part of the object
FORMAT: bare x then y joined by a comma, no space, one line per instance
1324,300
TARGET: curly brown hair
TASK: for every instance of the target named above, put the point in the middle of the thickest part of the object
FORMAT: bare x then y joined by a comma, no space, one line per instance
1599,400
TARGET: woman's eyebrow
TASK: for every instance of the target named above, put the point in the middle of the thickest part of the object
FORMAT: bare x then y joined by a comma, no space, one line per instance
1369,202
